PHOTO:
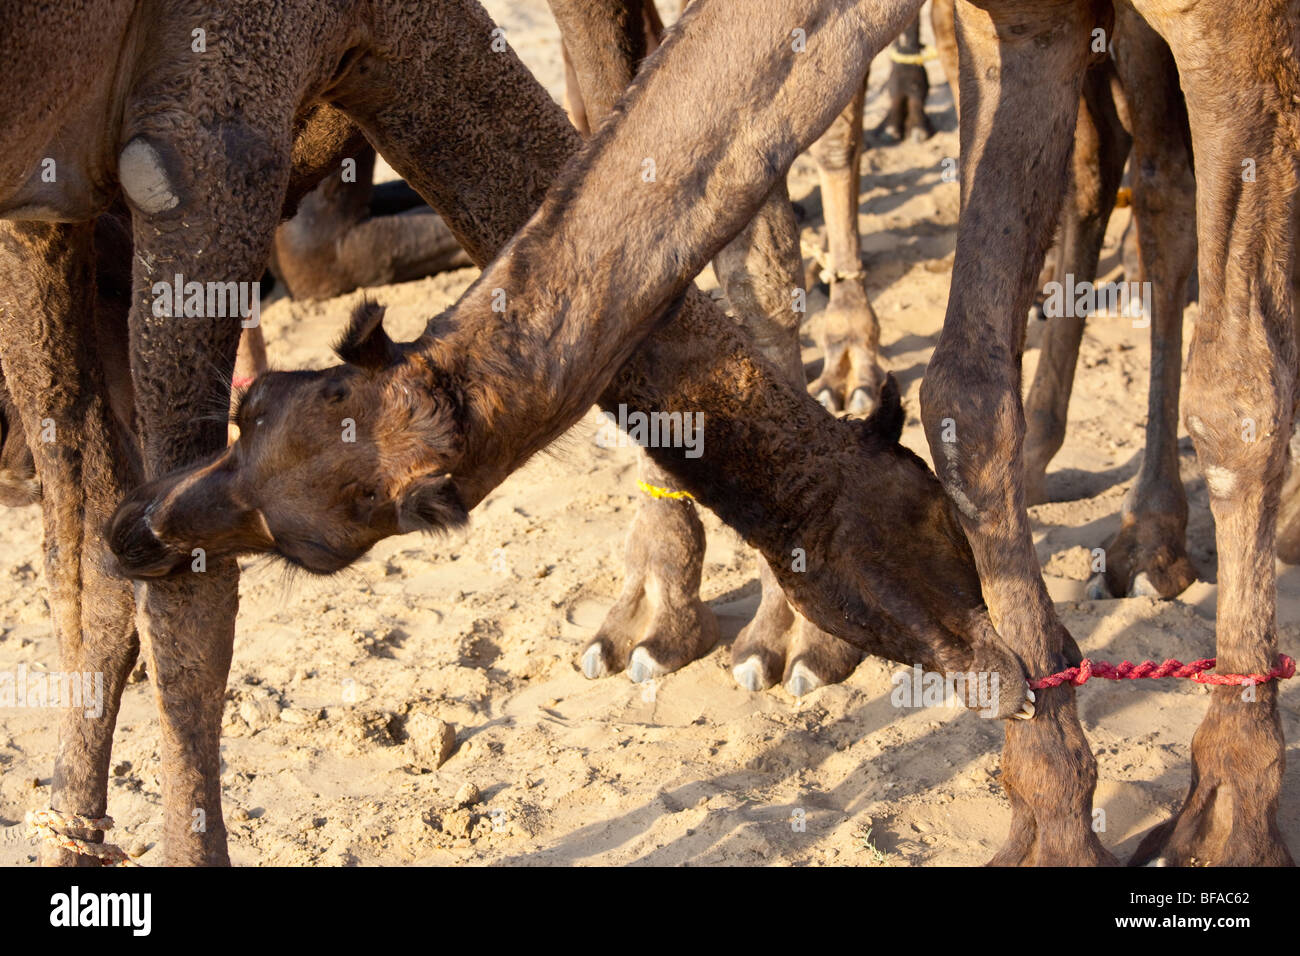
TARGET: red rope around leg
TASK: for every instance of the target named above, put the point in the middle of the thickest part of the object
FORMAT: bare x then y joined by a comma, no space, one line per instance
1088,669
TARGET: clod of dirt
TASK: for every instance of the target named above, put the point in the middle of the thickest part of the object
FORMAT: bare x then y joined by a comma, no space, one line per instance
467,795
429,742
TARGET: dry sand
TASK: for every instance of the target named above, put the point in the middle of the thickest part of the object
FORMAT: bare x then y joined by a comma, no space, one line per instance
482,631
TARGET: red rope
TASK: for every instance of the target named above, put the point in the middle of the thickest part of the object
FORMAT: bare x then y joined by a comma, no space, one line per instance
1089,669
241,381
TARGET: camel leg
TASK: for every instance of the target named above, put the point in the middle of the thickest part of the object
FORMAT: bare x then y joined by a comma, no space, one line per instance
1101,146
759,270
658,624
848,330
573,94
1148,555
909,86
942,22
1240,404
1288,512
217,231
1021,74
52,367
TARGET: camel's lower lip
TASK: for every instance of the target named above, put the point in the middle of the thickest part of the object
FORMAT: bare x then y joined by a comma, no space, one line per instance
148,572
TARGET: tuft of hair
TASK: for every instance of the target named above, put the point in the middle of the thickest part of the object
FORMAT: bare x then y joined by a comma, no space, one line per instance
364,342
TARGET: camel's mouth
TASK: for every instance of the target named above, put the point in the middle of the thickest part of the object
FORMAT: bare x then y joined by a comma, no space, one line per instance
138,551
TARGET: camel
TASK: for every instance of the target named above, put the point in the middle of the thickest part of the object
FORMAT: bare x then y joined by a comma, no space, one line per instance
348,234
658,623
723,140
1147,556
345,234
445,108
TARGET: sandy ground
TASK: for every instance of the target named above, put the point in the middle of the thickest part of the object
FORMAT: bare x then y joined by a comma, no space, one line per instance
336,682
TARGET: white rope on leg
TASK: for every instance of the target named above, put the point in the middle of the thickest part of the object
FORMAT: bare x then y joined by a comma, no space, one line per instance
49,823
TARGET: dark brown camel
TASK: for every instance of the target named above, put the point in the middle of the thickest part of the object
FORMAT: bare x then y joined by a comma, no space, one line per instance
1022,69
200,211
659,623
1147,556
345,234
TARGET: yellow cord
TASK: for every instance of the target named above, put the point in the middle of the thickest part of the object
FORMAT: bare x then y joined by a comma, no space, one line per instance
916,59
654,491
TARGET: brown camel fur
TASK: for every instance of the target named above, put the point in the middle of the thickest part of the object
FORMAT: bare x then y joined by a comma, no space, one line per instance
1022,68
446,110
345,234
659,624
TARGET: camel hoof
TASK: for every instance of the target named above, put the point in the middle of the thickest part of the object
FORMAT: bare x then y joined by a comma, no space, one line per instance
802,680
593,663
1097,589
826,400
642,667
1142,587
749,674
861,402
1158,861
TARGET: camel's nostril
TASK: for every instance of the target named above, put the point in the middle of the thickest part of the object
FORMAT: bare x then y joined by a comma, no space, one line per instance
138,551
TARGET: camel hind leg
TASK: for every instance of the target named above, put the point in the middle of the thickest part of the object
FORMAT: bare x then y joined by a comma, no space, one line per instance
848,331
1148,555
51,363
1241,395
1101,146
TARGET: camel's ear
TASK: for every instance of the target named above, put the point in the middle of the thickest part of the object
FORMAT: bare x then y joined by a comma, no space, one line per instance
365,343
887,420
431,503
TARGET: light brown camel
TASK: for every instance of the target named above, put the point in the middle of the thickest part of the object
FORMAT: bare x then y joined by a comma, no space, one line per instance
1022,69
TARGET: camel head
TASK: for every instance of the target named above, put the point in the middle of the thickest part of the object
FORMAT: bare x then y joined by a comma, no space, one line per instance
326,464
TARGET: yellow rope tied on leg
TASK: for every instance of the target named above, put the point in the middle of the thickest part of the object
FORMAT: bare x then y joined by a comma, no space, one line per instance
914,59
44,823
654,491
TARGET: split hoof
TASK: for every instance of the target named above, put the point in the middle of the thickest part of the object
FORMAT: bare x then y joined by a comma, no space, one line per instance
642,667
1147,557
802,680
1097,589
750,675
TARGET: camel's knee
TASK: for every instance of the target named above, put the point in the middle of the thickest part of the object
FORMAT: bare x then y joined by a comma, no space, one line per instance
975,428
838,148
1240,440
